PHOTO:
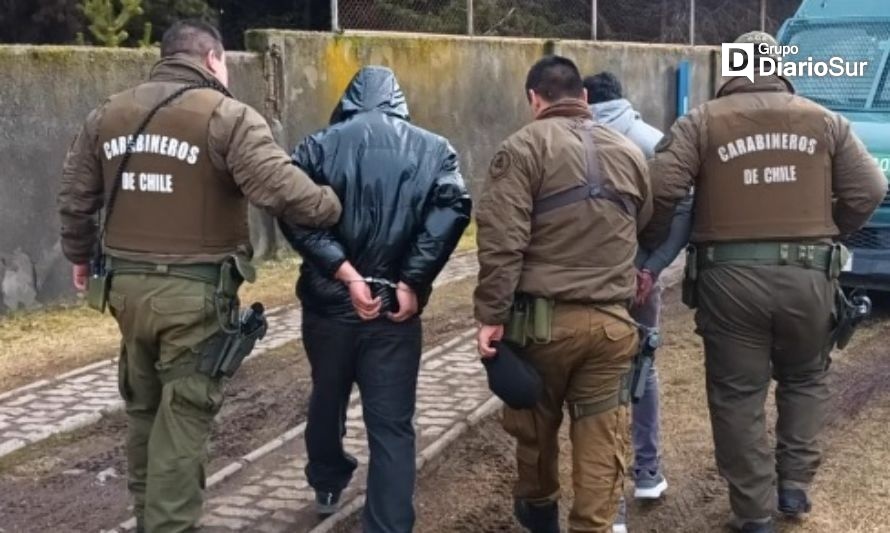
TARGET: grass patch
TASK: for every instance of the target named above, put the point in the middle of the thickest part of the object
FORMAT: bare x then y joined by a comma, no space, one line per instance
275,281
468,239
47,342
52,341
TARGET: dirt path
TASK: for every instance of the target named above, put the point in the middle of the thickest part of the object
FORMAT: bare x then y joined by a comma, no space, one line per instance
48,486
469,487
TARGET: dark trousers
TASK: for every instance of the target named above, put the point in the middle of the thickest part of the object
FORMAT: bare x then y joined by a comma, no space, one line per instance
383,358
760,322
645,422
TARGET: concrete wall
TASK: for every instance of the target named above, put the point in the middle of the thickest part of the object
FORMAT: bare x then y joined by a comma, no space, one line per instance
468,89
471,90
45,94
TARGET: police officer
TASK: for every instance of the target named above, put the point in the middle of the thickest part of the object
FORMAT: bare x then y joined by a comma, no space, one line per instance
174,237
557,240
777,179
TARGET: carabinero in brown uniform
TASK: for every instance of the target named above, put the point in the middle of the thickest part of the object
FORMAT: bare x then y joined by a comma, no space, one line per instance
778,178
557,239
176,245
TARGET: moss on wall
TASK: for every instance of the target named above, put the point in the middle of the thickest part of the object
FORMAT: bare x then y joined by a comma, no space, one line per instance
471,90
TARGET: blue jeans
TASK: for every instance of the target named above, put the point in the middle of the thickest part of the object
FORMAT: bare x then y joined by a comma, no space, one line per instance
383,358
646,428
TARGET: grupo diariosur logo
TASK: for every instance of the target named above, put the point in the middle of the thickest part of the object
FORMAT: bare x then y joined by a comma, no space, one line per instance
739,61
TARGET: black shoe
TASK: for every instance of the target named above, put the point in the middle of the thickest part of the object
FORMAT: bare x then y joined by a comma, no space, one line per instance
327,503
537,518
752,526
758,527
794,503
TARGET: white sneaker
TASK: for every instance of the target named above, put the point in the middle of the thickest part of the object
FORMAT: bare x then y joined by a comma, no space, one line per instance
649,485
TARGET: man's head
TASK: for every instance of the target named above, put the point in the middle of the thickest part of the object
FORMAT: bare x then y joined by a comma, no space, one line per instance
761,40
199,41
602,87
551,79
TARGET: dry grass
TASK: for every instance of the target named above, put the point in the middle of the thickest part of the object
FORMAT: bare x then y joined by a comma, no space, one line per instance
47,342
469,490
852,489
51,341
468,239
275,282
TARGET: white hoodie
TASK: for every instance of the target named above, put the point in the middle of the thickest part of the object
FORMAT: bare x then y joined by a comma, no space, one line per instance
621,117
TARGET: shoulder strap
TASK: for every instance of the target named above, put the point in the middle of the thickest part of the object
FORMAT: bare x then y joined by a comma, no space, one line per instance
593,188
125,159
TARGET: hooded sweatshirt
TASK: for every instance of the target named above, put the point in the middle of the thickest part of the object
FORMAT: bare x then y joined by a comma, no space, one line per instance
620,116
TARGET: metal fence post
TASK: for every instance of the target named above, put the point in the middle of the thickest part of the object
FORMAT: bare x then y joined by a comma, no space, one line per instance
594,18
692,22
335,16
762,15
470,29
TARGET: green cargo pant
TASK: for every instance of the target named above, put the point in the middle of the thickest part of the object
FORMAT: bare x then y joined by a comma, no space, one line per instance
586,365
169,406
758,322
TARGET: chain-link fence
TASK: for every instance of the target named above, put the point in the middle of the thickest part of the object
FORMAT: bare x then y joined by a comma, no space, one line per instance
856,89
657,21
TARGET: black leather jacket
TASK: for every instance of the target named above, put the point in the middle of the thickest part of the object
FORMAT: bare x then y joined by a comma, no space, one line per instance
405,204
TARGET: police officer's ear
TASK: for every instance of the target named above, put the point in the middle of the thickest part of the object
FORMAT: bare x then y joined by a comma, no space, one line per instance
537,103
215,62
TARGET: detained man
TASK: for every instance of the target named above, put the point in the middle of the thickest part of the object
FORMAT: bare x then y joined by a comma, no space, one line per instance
364,283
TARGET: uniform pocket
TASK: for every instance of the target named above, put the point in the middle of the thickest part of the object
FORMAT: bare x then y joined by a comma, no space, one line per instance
196,396
117,302
568,323
183,323
522,425
618,330
623,449
177,305
123,379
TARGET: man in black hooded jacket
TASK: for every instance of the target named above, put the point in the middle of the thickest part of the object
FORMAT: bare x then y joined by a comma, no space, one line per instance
364,283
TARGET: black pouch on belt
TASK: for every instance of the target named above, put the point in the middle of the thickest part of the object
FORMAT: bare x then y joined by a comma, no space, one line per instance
98,284
690,278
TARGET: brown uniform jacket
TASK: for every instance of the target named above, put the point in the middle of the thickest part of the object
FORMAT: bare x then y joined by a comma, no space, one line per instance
838,188
582,253
240,144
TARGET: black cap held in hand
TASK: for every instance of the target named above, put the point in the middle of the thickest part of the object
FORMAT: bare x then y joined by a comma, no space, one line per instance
512,379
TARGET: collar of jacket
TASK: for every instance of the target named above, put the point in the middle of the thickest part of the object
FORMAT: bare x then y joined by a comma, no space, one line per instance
762,84
567,108
180,68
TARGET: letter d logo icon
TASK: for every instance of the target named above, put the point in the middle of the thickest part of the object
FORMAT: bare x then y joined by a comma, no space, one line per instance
737,60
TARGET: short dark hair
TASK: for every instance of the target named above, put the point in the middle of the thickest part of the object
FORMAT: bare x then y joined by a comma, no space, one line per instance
602,87
553,78
192,37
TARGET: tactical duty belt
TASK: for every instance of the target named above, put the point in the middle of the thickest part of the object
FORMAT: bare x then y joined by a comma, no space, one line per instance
204,272
594,186
810,256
